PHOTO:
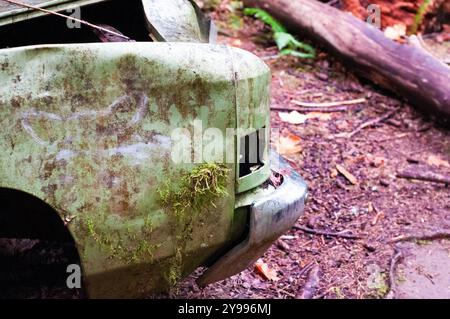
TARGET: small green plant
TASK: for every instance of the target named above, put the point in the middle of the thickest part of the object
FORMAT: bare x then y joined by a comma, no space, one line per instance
235,22
377,281
338,292
422,242
418,19
401,278
287,44
210,5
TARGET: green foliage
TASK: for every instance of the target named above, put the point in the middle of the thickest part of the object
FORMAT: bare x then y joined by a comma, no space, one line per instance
338,292
287,44
235,22
266,18
418,19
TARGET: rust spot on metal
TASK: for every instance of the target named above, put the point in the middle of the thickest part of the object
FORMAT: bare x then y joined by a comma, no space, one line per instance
17,101
49,191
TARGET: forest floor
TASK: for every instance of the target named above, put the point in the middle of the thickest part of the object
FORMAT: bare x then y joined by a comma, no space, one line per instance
378,208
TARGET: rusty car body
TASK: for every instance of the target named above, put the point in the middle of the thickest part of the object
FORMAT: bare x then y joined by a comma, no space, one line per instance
87,128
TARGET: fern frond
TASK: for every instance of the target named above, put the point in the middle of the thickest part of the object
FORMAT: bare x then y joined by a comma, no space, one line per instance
287,44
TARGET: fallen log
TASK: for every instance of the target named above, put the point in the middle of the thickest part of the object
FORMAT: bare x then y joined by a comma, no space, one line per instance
406,70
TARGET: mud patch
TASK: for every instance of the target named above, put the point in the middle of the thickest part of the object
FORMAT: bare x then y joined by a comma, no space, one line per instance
425,271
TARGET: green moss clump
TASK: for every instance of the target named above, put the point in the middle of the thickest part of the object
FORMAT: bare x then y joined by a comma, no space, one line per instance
138,251
197,192
199,189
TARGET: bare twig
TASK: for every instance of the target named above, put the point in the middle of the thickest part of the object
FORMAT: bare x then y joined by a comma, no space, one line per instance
394,260
344,172
332,2
328,104
270,57
413,160
108,37
305,269
312,284
311,109
379,214
427,176
283,246
67,17
392,138
342,234
441,234
287,293
368,124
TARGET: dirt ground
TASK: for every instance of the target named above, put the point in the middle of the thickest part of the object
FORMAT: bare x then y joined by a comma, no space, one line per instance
378,208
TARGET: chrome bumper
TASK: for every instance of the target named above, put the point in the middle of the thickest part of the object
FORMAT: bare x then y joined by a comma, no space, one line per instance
270,217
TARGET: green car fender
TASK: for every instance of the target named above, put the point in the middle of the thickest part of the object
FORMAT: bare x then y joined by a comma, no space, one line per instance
88,129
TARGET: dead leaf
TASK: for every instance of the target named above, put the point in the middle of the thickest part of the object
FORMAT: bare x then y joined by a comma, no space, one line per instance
370,208
349,176
293,117
264,270
334,173
434,160
395,32
376,161
236,43
379,215
319,115
289,145
342,125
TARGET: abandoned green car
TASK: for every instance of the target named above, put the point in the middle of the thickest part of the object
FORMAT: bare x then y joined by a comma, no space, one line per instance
150,158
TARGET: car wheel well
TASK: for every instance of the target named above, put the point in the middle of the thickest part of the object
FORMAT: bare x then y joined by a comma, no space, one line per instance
23,215
36,248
